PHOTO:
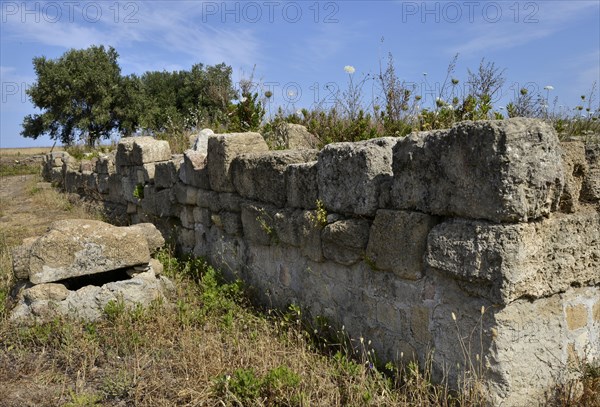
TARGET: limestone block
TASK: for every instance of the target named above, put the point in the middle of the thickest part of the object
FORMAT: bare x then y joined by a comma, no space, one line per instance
289,226
115,189
506,262
222,149
152,235
505,171
103,183
398,240
159,202
202,215
591,184
301,185
230,202
345,241
231,222
350,174
199,142
141,150
575,169
132,209
311,244
193,170
185,195
576,316
186,239
186,215
47,292
85,166
260,176
106,164
258,224
130,187
74,248
166,174
20,259
208,199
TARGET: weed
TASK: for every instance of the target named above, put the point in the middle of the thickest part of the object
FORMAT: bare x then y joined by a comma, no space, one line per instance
138,192
319,217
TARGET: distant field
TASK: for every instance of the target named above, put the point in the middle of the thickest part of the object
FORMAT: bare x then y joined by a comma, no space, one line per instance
27,151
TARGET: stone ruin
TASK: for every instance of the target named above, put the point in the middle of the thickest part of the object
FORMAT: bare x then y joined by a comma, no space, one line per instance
486,234
78,266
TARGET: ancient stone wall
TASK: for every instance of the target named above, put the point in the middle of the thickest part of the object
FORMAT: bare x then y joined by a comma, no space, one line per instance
480,243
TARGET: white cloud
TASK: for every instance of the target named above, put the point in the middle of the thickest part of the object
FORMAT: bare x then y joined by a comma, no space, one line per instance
546,19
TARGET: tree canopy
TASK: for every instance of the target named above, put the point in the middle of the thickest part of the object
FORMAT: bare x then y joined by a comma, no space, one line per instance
83,96
78,94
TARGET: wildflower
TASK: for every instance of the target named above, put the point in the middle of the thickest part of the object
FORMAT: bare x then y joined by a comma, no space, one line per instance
482,309
549,87
453,317
243,99
362,339
349,69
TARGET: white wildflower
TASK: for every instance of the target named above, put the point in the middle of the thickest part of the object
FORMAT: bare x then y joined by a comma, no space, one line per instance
349,69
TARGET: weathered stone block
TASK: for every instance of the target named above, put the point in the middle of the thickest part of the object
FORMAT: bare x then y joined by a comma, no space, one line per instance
115,189
260,176
230,202
199,142
350,174
301,183
193,170
202,215
591,184
505,262
398,241
187,217
419,324
166,174
106,164
141,150
208,199
73,248
222,149
258,225
504,171
345,241
103,183
20,259
576,316
575,169
232,222
185,195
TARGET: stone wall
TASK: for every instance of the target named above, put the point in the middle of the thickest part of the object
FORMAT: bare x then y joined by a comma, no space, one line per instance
480,243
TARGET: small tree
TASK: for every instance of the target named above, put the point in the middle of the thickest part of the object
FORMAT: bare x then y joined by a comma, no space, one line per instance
78,94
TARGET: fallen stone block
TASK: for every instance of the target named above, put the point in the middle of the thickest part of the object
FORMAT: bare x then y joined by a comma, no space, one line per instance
75,247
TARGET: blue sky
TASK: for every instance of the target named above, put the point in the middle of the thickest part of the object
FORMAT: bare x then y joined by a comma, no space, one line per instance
299,47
